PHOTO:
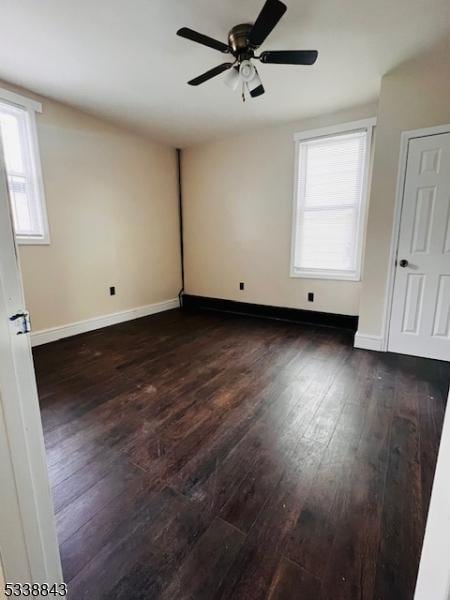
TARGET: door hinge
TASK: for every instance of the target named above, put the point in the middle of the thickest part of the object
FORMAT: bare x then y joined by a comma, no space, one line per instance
24,321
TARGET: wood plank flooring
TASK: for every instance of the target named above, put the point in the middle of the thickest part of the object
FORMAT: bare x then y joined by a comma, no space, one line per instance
202,456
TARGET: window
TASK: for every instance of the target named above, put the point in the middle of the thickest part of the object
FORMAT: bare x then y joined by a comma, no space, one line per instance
23,171
332,168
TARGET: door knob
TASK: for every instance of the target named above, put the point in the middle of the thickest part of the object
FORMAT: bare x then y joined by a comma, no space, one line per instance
403,263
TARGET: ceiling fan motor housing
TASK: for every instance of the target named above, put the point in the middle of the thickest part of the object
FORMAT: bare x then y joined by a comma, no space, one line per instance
238,40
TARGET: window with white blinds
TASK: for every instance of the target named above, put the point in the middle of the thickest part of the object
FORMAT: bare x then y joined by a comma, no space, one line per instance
330,200
21,160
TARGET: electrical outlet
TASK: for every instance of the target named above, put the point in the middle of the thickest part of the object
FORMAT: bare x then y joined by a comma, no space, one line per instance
112,290
310,297
241,285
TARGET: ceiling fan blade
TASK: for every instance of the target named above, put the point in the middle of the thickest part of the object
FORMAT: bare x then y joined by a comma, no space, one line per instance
194,36
271,13
255,86
289,57
210,74
259,91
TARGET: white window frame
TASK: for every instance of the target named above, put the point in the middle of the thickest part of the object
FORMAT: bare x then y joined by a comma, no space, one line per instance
31,107
341,129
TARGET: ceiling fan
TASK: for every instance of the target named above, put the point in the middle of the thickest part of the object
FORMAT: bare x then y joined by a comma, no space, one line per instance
243,40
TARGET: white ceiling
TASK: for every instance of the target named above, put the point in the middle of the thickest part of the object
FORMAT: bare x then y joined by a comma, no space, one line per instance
122,59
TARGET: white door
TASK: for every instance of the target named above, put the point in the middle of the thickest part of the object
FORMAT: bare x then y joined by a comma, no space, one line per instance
28,544
420,319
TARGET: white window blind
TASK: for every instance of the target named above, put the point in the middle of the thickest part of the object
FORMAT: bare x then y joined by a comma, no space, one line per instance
23,173
329,201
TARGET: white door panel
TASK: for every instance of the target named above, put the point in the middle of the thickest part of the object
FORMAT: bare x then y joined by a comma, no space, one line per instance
420,319
28,544
442,314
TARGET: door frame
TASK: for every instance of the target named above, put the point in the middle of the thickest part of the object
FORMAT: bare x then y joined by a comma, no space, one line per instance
433,580
406,136
29,502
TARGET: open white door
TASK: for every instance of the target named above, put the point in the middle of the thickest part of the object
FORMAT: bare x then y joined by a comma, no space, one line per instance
28,543
420,318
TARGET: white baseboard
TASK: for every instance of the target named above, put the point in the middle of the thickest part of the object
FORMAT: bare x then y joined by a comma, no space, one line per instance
56,333
369,342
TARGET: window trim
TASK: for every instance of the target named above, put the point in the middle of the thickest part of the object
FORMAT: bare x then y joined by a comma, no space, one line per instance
343,128
31,107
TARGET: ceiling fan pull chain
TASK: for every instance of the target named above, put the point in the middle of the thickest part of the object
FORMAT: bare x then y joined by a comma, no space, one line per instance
243,91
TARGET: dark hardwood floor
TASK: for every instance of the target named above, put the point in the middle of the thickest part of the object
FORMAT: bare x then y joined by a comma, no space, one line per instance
202,456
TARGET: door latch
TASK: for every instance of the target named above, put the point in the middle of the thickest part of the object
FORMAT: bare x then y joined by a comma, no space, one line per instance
25,324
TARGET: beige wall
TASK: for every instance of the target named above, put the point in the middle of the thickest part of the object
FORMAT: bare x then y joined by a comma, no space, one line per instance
237,199
113,218
415,95
112,205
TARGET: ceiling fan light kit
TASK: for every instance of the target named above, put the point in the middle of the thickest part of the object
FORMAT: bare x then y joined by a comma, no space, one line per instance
243,41
246,71
255,86
232,79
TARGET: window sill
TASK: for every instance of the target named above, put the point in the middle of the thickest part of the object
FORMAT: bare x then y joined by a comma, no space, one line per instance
32,241
331,275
